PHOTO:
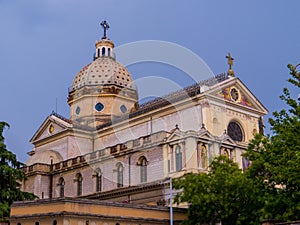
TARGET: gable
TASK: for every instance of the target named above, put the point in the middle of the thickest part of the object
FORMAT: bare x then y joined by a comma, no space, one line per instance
233,91
226,140
204,133
51,126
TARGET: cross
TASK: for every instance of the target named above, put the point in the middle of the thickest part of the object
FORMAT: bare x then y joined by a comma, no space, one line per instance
230,63
105,26
230,60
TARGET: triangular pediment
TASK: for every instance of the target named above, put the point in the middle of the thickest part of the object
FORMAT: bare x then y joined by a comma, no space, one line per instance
234,91
205,134
175,135
225,139
52,125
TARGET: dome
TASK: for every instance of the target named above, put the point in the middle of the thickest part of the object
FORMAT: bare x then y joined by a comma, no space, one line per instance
44,157
103,71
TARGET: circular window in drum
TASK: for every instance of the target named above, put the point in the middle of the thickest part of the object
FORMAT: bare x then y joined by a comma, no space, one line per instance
77,110
99,106
123,108
235,131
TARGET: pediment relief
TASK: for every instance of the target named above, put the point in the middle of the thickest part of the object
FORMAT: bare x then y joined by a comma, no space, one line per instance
236,92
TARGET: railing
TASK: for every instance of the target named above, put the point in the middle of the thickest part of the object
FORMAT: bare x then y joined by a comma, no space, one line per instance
79,160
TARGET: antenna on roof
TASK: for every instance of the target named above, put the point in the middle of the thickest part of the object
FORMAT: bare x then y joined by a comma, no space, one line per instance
56,105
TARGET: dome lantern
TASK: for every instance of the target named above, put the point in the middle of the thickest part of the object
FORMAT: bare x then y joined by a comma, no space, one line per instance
104,46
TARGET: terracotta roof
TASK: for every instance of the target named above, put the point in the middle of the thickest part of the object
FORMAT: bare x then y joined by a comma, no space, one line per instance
61,117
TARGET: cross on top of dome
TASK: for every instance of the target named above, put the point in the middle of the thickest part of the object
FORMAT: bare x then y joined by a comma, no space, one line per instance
105,26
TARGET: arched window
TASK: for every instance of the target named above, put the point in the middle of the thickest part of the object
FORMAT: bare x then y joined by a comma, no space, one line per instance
108,52
103,51
234,131
61,184
119,175
178,158
79,184
37,223
98,54
98,180
143,170
54,222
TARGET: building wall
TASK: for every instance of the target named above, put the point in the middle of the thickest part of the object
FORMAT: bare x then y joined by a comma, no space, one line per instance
86,212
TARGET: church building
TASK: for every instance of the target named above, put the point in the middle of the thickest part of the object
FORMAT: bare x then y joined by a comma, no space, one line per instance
113,148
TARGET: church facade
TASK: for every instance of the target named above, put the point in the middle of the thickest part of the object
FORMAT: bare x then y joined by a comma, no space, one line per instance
113,148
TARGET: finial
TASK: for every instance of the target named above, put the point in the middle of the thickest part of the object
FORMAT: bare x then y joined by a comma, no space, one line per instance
230,71
176,127
105,26
225,131
203,126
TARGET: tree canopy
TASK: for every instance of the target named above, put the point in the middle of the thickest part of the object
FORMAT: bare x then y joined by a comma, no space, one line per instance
276,159
224,194
10,176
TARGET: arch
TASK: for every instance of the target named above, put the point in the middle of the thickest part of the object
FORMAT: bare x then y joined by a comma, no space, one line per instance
61,183
54,222
142,162
235,131
98,180
108,51
79,184
120,169
178,158
37,223
103,51
98,52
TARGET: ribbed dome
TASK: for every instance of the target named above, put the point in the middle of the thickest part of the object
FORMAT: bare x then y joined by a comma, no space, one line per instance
103,71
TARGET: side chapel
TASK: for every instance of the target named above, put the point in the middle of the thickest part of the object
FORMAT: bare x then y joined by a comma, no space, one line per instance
113,148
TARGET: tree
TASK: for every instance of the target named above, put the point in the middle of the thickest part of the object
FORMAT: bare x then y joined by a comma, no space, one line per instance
276,160
10,175
223,194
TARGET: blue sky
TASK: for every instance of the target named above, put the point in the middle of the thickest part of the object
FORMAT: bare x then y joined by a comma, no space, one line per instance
44,43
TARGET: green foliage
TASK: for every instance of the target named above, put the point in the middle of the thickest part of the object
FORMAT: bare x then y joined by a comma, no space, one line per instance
276,160
224,194
10,175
